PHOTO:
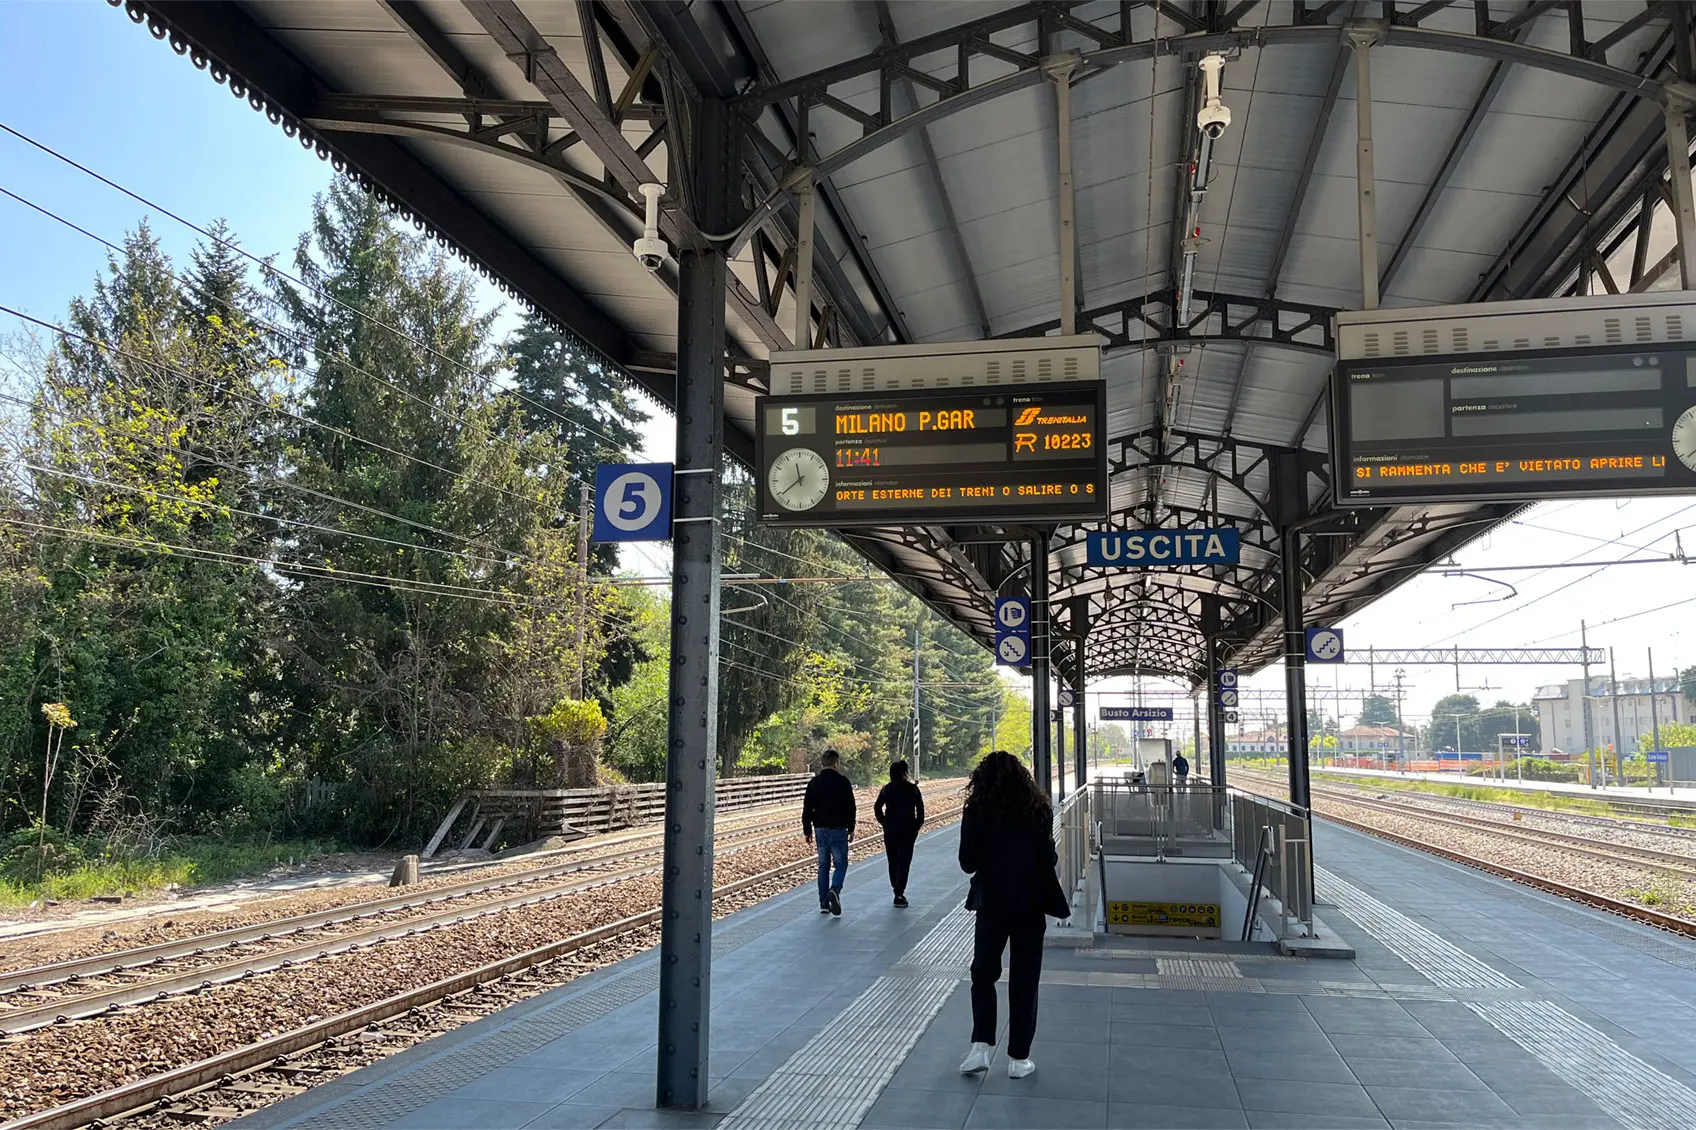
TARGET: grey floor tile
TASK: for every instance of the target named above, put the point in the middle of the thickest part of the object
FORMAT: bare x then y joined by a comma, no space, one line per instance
1538,1103
724,1095
618,1088
456,1114
1265,1039
1099,995
902,1109
1142,1116
647,1118
937,1075
1192,1015
1308,1067
1424,1049
1063,1071
1450,1076
1159,997
1167,1089
1235,1017
568,1116
1519,1075
1439,1105
1349,1024
1154,1035
1348,1100
1295,1120
1263,1002
529,1085
1502,1050
1125,1059
1023,1112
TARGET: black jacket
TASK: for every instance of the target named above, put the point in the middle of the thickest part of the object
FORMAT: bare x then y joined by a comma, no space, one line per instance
1012,867
900,809
829,803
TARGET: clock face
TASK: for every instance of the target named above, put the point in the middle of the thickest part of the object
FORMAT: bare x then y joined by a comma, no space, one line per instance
799,479
1684,438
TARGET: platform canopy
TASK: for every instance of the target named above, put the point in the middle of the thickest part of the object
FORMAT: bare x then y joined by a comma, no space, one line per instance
1520,153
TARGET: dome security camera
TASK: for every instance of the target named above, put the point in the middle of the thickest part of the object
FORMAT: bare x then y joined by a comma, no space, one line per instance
1214,116
651,251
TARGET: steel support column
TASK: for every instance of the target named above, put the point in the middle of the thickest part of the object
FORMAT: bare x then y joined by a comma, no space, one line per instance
1215,713
803,335
1362,36
1289,473
1080,723
1042,721
1684,201
686,899
1060,69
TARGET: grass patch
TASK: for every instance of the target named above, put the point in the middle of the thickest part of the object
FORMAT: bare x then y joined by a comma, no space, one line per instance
1668,892
1529,798
78,869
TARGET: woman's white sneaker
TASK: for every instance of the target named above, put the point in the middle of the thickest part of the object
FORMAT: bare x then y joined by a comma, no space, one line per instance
1019,1068
977,1059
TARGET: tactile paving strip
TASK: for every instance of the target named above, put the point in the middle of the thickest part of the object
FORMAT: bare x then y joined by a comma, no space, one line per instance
1197,967
836,1077
1633,1092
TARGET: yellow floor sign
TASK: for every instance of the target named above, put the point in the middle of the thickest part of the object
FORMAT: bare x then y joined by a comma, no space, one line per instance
1199,914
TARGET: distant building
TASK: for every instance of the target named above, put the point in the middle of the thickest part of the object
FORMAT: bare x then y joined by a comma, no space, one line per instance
1374,739
1261,741
1560,712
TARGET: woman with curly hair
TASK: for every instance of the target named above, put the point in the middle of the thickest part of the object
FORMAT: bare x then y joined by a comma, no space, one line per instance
1007,846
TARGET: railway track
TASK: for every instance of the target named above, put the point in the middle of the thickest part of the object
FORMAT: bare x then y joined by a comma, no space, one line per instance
1623,907
266,1070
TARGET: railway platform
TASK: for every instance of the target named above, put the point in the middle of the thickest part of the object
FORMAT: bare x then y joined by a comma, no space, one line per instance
1470,1003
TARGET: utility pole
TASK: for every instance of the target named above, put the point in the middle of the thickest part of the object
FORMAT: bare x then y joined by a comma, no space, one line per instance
1401,733
916,757
1619,735
584,502
1589,734
1654,714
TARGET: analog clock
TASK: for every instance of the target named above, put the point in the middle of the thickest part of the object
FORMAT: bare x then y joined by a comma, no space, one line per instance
798,479
1684,438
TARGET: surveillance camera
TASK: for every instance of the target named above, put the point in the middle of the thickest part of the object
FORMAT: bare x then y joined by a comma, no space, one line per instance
1213,120
651,250
651,253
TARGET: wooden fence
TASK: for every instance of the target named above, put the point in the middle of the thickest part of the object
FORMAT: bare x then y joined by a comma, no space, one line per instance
574,813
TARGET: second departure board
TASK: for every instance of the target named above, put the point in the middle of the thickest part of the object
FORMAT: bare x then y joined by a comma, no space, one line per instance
997,454
1516,426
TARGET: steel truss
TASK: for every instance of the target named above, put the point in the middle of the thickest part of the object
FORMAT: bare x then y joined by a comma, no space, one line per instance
1446,656
1152,319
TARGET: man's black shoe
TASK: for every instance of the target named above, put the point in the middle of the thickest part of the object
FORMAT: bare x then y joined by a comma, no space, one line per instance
900,900
835,904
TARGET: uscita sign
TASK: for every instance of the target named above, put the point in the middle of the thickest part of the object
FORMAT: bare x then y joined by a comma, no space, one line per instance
1153,548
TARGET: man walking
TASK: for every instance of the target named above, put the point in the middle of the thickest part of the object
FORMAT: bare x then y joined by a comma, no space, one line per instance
901,811
1180,770
827,815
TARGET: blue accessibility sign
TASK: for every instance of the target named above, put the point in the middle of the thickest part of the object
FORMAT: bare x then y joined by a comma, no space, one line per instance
1136,714
633,502
1324,645
1145,549
1012,630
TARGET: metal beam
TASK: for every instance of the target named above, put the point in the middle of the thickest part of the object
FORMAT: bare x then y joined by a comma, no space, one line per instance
1321,125
1146,320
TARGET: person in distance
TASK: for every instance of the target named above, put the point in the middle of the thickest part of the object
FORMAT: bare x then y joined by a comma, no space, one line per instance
901,810
1007,846
827,815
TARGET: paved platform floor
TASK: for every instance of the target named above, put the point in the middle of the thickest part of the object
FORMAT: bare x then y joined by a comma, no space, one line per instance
1471,1003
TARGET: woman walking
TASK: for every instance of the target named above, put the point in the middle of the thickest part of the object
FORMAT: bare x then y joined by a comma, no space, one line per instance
1007,846
901,810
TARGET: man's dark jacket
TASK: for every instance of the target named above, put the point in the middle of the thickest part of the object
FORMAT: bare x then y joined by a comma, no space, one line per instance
1012,867
829,802
900,809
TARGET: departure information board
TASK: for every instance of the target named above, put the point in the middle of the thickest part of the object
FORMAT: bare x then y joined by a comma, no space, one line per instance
923,456
1515,426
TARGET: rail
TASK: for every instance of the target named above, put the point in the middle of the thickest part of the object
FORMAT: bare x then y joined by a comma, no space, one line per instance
1285,865
1073,843
1161,814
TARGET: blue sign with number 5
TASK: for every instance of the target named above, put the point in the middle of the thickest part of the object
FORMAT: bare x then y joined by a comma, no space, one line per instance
633,502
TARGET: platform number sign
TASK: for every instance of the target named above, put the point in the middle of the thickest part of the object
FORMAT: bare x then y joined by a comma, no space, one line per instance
1324,645
632,502
1012,630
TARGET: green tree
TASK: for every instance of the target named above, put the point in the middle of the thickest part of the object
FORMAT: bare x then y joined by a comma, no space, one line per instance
1674,735
1377,710
1454,723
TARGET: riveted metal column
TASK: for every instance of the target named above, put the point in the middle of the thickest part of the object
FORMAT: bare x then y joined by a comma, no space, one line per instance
1042,722
804,266
1060,68
1080,724
1678,146
1210,626
1362,35
1291,496
686,899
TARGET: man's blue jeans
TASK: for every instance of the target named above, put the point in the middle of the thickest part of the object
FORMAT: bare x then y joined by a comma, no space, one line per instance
833,848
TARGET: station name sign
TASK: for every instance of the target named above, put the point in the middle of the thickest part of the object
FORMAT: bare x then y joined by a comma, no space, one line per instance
1615,420
1152,548
1000,453
1136,714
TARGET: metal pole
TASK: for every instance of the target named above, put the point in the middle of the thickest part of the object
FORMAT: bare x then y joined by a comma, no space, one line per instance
1584,703
686,897
1295,665
584,496
1361,38
1196,708
1215,715
1677,108
1619,735
804,264
917,760
1654,713
1080,723
1060,69
1041,723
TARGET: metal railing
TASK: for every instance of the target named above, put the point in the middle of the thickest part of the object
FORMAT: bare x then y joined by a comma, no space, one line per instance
1161,814
1073,842
1270,838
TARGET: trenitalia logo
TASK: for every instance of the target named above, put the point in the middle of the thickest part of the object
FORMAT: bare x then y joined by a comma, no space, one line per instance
1034,415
